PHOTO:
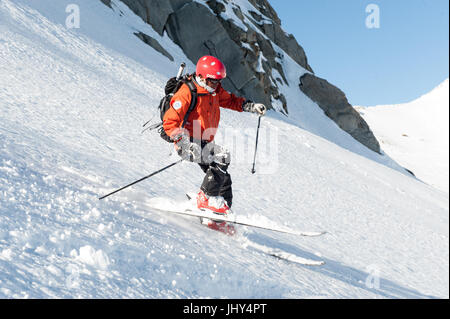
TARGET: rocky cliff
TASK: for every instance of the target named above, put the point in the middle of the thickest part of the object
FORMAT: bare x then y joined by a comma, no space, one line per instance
247,33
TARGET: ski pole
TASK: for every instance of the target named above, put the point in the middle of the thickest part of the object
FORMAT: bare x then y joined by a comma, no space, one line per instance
180,70
140,180
179,74
256,145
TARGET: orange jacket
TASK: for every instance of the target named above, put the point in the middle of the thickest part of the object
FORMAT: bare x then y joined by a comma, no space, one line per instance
204,117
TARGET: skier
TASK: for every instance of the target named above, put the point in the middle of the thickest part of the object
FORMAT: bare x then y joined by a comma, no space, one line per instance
195,142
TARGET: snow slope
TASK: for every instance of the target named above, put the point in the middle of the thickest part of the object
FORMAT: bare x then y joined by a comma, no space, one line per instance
72,103
415,134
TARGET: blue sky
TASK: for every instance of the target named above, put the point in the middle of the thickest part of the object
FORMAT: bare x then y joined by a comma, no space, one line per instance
406,57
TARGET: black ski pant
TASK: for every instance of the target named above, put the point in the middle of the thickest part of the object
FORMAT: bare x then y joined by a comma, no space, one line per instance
217,181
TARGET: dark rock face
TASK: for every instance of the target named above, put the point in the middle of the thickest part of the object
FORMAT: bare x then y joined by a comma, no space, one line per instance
155,12
107,2
335,105
250,54
154,44
206,35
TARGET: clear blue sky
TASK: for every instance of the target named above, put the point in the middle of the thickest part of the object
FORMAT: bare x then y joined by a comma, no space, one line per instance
407,56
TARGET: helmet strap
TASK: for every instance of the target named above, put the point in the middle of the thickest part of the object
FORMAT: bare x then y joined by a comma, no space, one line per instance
203,84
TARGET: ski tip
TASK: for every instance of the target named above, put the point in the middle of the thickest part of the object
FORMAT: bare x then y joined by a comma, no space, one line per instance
313,234
312,262
319,263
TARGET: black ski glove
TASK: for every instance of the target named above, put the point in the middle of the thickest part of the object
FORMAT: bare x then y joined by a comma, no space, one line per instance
257,108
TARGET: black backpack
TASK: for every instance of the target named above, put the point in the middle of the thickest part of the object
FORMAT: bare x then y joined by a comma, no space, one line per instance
172,86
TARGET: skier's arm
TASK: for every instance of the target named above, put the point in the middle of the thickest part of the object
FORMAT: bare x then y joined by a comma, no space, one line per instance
174,116
230,101
257,108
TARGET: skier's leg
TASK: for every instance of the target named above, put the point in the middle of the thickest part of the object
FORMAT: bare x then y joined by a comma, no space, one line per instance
216,186
222,159
214,179
204,167
226,190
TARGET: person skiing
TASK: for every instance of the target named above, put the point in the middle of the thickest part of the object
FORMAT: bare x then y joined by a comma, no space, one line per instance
195,141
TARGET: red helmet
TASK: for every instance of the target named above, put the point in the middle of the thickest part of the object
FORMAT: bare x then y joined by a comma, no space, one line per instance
211,67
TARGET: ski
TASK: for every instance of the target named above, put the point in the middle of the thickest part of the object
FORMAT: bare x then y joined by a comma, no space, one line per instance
277,253
223,227
234,220
246,243
282,255
194,212
220,226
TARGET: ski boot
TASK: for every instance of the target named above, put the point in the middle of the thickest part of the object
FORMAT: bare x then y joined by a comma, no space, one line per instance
216,205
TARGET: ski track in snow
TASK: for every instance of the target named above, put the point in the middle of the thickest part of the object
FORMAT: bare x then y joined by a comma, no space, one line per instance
72,103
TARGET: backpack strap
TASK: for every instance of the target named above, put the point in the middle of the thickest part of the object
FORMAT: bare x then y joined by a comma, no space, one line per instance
194,97
193,104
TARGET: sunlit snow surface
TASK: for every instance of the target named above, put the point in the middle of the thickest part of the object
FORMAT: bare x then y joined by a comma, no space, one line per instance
416,134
